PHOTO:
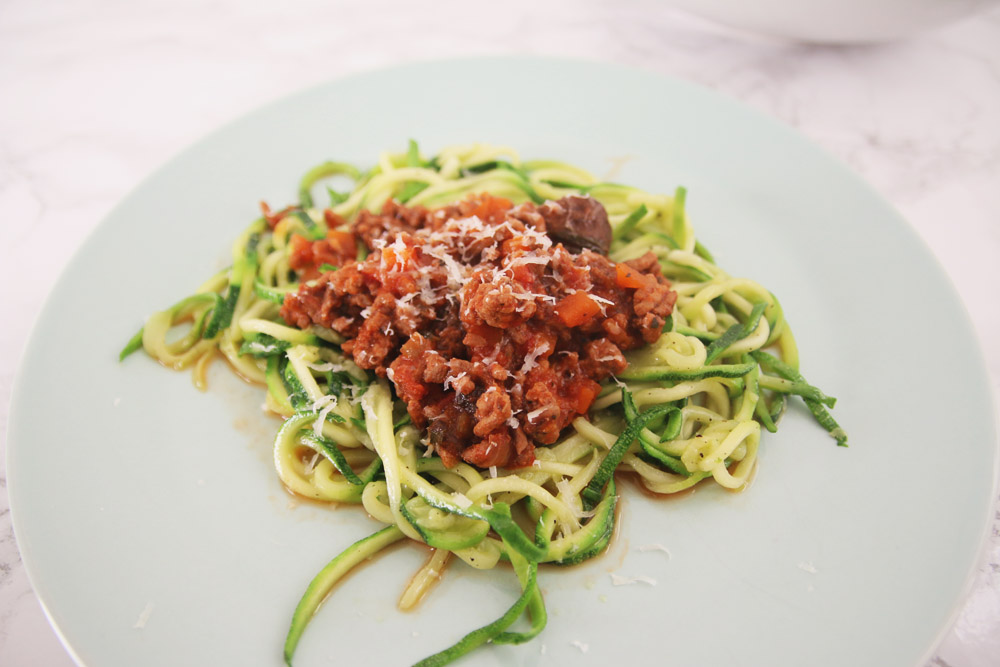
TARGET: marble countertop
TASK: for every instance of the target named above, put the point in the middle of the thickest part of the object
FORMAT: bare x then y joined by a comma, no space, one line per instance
96,94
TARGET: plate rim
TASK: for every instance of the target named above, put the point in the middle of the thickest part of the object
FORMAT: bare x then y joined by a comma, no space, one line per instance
689,87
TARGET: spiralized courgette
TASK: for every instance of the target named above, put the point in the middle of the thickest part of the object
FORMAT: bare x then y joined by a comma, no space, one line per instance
688,408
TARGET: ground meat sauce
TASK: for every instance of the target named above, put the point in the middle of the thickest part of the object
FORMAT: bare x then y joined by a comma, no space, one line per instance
494,322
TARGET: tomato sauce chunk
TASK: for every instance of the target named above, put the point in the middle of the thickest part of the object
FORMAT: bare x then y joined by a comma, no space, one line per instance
494,330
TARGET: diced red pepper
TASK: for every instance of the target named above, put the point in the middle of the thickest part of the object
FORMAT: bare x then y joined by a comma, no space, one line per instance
586,391
488,208
523,275
273,218
577,308
342,243
629,277
332,219
482,336
300,254
308,257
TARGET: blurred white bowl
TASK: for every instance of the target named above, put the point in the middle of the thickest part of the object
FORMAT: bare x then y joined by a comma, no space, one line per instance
833,21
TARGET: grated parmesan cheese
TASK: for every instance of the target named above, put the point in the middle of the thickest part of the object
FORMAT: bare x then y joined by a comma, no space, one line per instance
140,622
655,547
452,379
312,463
325,405
534,414
430,448
618,580
326,367
461,500
529,258
544,297
531,359
601,299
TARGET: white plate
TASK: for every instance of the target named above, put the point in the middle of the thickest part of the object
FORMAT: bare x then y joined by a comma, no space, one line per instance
137,497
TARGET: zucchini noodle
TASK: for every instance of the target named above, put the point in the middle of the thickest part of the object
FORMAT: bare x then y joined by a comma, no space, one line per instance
688,408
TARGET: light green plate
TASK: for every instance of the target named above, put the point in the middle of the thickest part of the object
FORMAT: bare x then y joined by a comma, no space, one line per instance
137,498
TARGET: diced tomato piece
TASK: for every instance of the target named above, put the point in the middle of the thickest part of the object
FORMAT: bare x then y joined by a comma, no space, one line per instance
586,391
273,218
394,259
388,257
629,277
577,308
342,242
308,257
523,275
332,219
482,336
488,208
406,378
300,255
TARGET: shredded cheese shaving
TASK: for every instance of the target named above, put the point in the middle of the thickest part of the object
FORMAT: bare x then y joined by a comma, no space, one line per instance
140,622
655,547
325,404
618,580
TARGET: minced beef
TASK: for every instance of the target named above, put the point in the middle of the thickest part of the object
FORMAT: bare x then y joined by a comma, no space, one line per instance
494,333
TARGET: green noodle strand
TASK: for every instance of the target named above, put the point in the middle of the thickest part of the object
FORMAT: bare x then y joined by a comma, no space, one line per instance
686,410
478,637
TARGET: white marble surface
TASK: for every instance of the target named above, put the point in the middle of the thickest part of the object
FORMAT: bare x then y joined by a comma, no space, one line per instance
94,94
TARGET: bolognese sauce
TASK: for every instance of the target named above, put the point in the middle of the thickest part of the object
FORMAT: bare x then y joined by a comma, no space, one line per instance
494,322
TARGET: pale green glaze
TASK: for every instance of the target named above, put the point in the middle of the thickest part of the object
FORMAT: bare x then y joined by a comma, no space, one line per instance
129,487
